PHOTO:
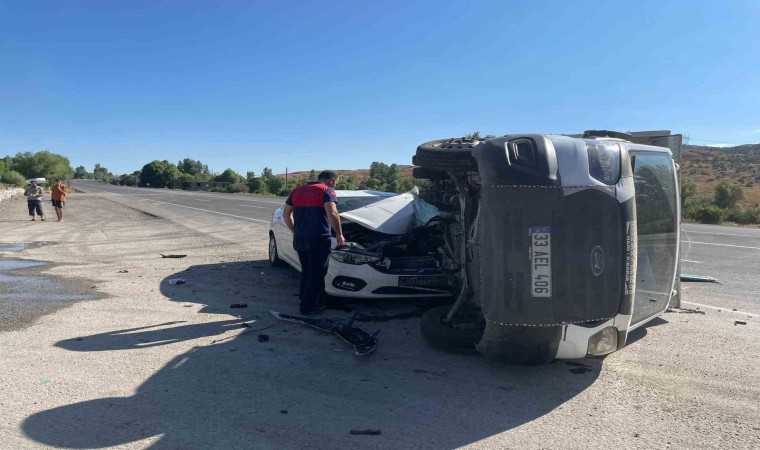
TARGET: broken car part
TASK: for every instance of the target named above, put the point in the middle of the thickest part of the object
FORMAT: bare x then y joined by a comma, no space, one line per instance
363,342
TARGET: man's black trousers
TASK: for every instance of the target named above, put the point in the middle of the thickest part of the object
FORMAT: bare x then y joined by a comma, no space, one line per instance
314,254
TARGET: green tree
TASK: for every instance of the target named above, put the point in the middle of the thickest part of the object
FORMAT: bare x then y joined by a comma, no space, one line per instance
688,189
100,172
80,172
193,167
312,175
728,193
159,174
13,178
348,183
270,183
42,164
476,135
228,176
253,182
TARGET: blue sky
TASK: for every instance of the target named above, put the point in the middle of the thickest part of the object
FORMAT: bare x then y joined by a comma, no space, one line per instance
339,84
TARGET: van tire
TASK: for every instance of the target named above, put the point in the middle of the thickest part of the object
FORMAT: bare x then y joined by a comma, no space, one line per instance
437,155
444,337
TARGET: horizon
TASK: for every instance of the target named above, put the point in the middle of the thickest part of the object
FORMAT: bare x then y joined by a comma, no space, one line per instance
247,85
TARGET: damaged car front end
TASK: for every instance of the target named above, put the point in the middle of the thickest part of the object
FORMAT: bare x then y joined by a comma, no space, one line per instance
391,254
396,248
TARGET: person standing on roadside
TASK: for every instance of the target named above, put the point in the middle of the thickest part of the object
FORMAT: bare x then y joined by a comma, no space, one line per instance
313,208
58,196
34,200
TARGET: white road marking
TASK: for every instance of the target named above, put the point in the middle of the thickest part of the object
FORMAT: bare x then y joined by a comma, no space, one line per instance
724,245
724,234
251,206
695,262
722,309
183,206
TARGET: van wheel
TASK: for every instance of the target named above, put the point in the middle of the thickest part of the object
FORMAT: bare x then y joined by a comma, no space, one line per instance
274,257
447,155
445,336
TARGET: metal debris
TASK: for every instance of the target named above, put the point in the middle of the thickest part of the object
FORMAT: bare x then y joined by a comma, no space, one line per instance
367,432
698,279
363,342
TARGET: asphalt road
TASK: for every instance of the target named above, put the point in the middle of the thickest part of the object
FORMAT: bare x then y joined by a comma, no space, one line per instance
729,254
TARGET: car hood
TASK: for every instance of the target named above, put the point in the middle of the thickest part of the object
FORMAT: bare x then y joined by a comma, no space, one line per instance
393,215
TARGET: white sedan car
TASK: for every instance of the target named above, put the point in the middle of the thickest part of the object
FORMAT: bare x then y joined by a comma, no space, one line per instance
385,255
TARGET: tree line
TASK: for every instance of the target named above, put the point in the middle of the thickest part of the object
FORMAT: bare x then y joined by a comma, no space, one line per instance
15,170
722,207
165,174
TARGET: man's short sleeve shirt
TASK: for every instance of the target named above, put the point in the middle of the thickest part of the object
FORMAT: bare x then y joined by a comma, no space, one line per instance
308,202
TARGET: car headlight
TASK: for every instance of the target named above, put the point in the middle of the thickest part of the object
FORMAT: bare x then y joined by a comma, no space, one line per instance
604,160
353,258
603,342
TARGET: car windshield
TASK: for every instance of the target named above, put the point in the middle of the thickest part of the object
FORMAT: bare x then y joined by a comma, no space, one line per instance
346,204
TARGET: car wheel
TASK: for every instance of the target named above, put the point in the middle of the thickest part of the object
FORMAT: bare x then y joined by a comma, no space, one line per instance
446,337
274,257
447,155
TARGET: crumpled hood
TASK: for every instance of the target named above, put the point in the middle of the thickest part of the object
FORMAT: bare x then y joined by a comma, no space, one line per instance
393,215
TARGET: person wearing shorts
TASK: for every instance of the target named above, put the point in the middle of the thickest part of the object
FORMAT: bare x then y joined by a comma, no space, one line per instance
34,200
58,196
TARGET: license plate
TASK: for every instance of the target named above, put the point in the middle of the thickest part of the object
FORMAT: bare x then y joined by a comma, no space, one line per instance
424,282
541,262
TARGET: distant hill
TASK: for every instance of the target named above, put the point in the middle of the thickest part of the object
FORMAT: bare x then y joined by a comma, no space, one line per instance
708,165
705,165
358,173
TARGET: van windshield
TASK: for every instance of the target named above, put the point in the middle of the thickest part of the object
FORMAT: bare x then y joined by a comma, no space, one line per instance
656,221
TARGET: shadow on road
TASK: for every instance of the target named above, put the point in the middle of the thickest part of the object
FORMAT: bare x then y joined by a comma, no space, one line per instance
302,388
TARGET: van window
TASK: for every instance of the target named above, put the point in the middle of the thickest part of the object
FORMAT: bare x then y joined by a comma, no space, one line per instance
656,220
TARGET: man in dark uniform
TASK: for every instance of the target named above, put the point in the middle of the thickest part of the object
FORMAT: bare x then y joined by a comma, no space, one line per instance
313,207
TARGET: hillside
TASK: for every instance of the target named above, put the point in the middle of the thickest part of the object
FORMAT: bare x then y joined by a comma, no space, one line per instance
360,174
705,165
708,165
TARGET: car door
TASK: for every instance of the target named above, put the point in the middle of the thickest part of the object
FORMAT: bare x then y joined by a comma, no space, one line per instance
657,221
284,238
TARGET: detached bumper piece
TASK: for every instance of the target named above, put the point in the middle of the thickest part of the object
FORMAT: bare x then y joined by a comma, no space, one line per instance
363,342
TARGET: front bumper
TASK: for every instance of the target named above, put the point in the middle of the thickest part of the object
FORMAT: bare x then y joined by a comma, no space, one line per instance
373,283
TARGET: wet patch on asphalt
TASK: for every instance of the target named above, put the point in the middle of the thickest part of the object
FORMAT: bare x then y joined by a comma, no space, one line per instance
26,293
16,247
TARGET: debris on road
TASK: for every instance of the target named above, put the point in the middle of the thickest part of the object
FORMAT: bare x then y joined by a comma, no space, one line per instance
177,281
123,271
283,411
263,338
698,279
172,256
740,322
239,305
363,342
367,432
685,311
